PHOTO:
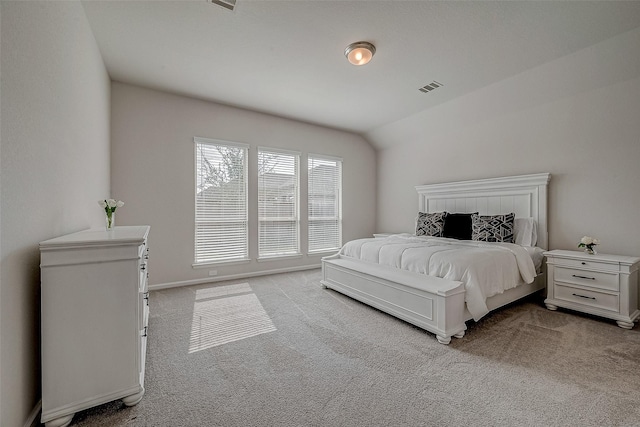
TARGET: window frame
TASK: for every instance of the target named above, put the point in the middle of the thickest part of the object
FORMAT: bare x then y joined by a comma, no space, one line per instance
338,200
244,254
295,252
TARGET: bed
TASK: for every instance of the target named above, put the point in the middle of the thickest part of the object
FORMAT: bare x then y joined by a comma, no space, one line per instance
439,304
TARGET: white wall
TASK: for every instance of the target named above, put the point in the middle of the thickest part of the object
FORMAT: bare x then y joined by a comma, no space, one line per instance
54,166
576,117
153,173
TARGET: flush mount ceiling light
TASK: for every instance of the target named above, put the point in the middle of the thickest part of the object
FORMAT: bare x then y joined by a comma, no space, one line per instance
227,4
360,53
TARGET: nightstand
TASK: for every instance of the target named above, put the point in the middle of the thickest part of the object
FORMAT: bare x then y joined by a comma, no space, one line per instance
603,285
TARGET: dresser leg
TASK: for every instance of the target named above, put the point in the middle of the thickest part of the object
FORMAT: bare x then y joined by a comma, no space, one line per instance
443,340
551,306
625,325
63,421
134,399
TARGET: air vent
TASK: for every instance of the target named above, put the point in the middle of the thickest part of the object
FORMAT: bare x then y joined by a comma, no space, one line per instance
227,4
431,86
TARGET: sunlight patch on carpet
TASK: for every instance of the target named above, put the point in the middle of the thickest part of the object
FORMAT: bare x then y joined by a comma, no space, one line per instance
221,316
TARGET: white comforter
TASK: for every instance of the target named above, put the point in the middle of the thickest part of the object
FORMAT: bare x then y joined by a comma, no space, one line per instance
486,269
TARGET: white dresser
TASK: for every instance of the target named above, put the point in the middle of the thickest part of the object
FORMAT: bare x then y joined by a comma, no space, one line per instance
604,285
94,320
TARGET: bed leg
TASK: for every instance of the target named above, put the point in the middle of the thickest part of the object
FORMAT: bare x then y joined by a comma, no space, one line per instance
443,340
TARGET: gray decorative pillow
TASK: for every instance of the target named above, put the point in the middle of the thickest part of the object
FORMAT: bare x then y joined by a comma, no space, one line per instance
492,228
430,224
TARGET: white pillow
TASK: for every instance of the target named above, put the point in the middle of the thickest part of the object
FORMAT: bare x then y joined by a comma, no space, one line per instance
525,232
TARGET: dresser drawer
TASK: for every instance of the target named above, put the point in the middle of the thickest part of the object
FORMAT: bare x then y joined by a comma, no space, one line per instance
595,265
142,302
587,297
592,279
143,309
143,281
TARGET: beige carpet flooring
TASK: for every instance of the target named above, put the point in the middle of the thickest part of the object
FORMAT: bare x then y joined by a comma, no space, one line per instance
281,351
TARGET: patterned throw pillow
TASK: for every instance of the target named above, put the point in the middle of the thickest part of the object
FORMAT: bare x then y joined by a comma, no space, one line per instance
430,224
492,228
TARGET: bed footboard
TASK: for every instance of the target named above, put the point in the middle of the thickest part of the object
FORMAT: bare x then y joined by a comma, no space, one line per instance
434,304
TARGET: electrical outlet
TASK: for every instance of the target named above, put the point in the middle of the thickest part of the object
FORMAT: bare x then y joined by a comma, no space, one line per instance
213,272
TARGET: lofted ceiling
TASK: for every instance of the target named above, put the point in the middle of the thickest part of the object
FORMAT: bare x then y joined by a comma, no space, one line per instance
286,58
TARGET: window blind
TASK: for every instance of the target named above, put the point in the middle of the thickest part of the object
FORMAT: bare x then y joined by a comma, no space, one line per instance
221,201
278,206
325,203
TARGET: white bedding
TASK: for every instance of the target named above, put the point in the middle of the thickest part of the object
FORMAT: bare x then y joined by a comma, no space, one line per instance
537,255
485,268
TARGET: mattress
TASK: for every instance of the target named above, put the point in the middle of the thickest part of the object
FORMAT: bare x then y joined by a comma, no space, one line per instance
485,268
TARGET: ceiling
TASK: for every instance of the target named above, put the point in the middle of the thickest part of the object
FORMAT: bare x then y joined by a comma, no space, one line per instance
286,58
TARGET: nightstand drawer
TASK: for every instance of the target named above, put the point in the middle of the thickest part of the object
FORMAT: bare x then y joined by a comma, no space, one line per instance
595,265
593,279
587,297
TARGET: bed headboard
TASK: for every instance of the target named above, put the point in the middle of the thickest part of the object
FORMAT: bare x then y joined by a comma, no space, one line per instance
525,195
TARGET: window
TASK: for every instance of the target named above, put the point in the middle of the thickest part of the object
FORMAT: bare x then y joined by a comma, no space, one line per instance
221,201
278,211
325,203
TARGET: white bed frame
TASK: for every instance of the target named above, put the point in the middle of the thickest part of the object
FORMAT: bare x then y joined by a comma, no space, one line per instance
432,303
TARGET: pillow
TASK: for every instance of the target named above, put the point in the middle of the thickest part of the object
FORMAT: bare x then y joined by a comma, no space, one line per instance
525,232
430,224
492,228
458,226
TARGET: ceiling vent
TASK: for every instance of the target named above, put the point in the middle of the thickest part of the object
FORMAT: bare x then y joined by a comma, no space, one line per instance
227,4
431,86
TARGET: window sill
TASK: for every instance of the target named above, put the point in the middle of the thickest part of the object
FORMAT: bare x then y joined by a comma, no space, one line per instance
324,252
216,263
279,257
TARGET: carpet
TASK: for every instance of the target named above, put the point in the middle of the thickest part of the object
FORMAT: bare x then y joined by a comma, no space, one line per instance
281,351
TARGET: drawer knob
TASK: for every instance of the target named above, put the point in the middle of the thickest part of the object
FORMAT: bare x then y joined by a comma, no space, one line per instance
583,277
582,296
583,263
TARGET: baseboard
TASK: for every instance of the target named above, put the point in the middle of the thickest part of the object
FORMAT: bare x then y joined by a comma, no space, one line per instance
168,285
34,416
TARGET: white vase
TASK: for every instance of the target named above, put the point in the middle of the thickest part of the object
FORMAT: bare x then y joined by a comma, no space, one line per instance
590,251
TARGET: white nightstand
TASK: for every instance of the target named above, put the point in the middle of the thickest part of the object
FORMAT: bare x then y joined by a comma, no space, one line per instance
604,285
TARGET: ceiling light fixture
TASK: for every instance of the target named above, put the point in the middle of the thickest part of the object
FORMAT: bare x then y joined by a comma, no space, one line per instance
360,53
227,4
